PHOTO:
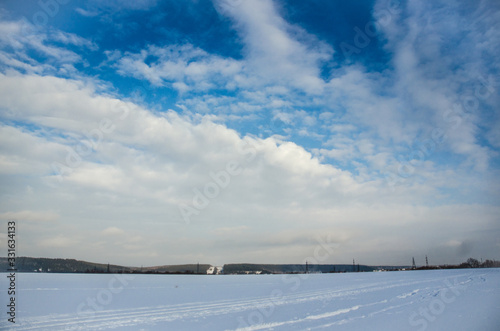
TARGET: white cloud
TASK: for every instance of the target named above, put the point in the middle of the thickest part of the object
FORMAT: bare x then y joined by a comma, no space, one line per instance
231,232
128,168
185,67
29,215
441,58
276,51
87,13
279,57
19,39
112,231
72,39
150,163
57,242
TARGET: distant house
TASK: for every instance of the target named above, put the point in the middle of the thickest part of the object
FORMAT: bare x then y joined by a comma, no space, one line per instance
214,270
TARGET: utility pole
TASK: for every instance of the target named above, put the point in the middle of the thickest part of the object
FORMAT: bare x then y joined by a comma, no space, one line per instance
307,268
426,262
413,266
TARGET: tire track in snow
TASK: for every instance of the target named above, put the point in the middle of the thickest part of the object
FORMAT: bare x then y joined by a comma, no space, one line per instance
428,292
151,315
179,311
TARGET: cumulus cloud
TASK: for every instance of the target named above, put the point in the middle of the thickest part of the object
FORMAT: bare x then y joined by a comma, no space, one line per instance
278,57
421,91
184,67
128,175
150,163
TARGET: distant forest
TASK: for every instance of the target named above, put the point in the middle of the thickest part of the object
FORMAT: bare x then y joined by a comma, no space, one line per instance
30,264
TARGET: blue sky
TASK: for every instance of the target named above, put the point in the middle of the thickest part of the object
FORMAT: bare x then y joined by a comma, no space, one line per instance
161,132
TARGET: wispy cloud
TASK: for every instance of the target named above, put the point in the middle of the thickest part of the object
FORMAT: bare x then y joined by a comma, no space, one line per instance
277,52
30,215
29,49
441,60
182,67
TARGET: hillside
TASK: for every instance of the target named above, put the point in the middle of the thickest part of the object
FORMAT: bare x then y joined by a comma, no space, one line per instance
32,264
241,268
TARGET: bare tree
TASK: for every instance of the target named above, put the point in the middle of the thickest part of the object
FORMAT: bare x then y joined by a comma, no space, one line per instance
473,263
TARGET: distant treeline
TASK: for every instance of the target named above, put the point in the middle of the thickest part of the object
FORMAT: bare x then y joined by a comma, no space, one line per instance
470,263
247,268
34,264
31,264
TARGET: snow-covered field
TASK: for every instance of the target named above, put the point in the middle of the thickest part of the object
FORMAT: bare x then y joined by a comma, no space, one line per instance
467,299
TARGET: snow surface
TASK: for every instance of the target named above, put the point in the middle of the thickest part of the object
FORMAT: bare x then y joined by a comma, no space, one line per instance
466,299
